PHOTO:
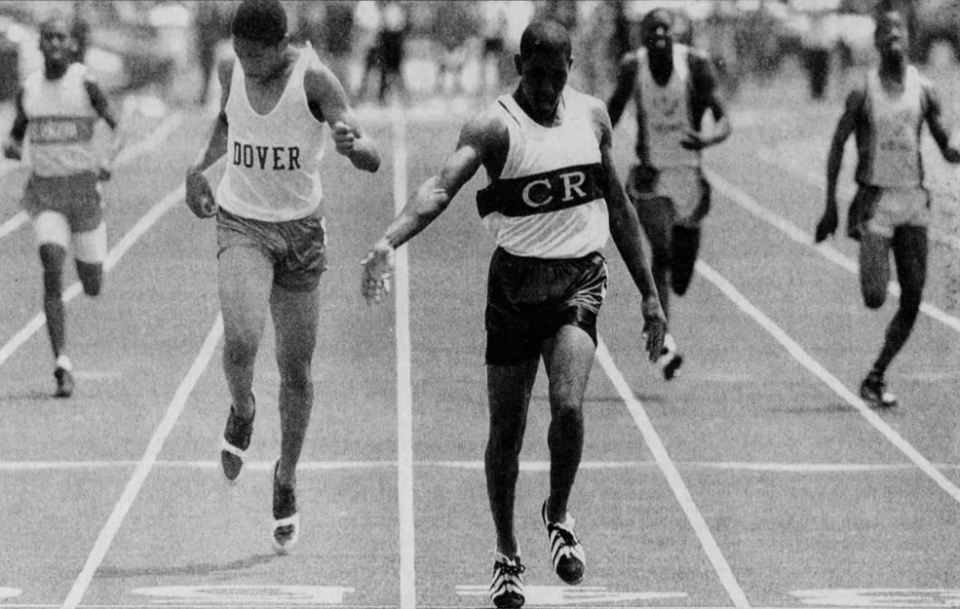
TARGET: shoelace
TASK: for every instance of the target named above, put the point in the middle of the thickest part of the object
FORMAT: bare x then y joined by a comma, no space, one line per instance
511,570
568,537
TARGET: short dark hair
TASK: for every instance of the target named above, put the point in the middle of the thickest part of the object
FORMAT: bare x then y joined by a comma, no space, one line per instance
545,37
263,21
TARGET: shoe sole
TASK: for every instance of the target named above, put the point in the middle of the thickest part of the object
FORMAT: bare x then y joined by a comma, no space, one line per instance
231,461
282,546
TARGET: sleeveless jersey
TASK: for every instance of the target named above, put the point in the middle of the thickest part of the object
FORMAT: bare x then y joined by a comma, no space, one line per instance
548,201
664,113
273,160
890,156
61,123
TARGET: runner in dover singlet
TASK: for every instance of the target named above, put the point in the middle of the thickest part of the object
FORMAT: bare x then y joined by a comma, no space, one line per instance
553,201
891,209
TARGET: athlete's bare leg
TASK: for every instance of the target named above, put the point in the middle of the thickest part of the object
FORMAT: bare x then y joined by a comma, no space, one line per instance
874,268
656,217
508,390
568,358
91,277
52,257
295,316
685,250
245,278
910,251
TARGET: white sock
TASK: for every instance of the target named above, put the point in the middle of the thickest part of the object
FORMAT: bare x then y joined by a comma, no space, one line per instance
64,362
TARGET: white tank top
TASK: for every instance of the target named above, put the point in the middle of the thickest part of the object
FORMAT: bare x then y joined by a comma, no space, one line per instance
273,160
665,112
894,140
548,201
61,123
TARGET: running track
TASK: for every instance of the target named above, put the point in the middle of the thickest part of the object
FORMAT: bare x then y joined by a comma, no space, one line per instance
757,479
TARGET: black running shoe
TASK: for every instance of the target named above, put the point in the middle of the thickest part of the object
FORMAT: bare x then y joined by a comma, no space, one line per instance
286,519
569,559
670,359
65,383
236,440
506,589
873,391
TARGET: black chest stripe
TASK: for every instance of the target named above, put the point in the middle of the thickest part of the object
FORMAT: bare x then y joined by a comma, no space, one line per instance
542,193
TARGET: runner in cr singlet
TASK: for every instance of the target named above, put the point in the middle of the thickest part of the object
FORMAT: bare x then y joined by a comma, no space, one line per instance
553,201
277,104
891,209
672,86
57,111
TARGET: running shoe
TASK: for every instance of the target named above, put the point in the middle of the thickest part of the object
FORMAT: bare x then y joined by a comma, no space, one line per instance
286,519
569,559
65,382
236,440
506,589
873,391
670,359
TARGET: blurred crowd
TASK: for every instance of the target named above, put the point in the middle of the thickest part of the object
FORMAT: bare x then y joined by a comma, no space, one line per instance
456,47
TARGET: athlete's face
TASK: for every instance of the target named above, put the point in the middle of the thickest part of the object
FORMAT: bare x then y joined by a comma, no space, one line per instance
56,45
890,37
542,79
259,60
657,33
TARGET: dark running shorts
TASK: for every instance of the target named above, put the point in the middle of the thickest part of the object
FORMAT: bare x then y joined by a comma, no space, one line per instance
529,299
297,248
77,197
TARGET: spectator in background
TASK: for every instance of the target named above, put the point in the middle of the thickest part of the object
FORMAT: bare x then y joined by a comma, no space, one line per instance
453,26
818,43
368,19
392,41
211,26
328,27
493,30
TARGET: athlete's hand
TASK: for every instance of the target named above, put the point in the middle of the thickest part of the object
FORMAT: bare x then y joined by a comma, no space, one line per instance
654,327
344,136
13,150
695,140
827,225
952,155
199,194
378,267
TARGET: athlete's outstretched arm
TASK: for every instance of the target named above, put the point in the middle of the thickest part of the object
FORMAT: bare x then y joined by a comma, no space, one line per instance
102,106
625,230
476,142
325,92
13,149
199,194
830,220
623,91
934,118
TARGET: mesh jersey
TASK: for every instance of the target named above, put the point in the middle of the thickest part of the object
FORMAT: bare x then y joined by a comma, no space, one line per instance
665,112
889,153
548,201
61,123
273,160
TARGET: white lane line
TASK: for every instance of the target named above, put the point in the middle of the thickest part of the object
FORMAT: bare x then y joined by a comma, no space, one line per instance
669,469
138,230
110,529
525,466
831,381
408,574
824,249
127,155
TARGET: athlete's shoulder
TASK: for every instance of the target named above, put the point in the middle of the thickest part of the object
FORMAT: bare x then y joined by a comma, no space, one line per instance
488,130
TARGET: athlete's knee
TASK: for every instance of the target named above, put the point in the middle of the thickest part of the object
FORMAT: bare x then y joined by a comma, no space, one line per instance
295,375
240,350
567,416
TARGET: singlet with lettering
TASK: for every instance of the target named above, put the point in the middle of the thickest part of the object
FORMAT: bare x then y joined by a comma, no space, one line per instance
273,160
61,123
548,201
889,155
665,113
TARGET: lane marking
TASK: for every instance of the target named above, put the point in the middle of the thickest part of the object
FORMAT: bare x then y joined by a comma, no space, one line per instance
145,465
244,595
826,250
824,375
880,597
152,141
565,595
138,230
401,289
670,472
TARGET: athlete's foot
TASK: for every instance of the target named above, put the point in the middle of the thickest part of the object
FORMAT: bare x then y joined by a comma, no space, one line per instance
286,519
670,359
569,559
64,377
233,447
506,589
873,391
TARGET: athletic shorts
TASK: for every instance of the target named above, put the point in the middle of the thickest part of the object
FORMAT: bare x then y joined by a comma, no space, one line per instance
530,299
686,188
881,210
297,248
76,197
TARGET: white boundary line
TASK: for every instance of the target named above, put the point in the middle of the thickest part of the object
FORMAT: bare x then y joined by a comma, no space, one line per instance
138,230
110,529
127,155
408,575
669,469
831,381
824,249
